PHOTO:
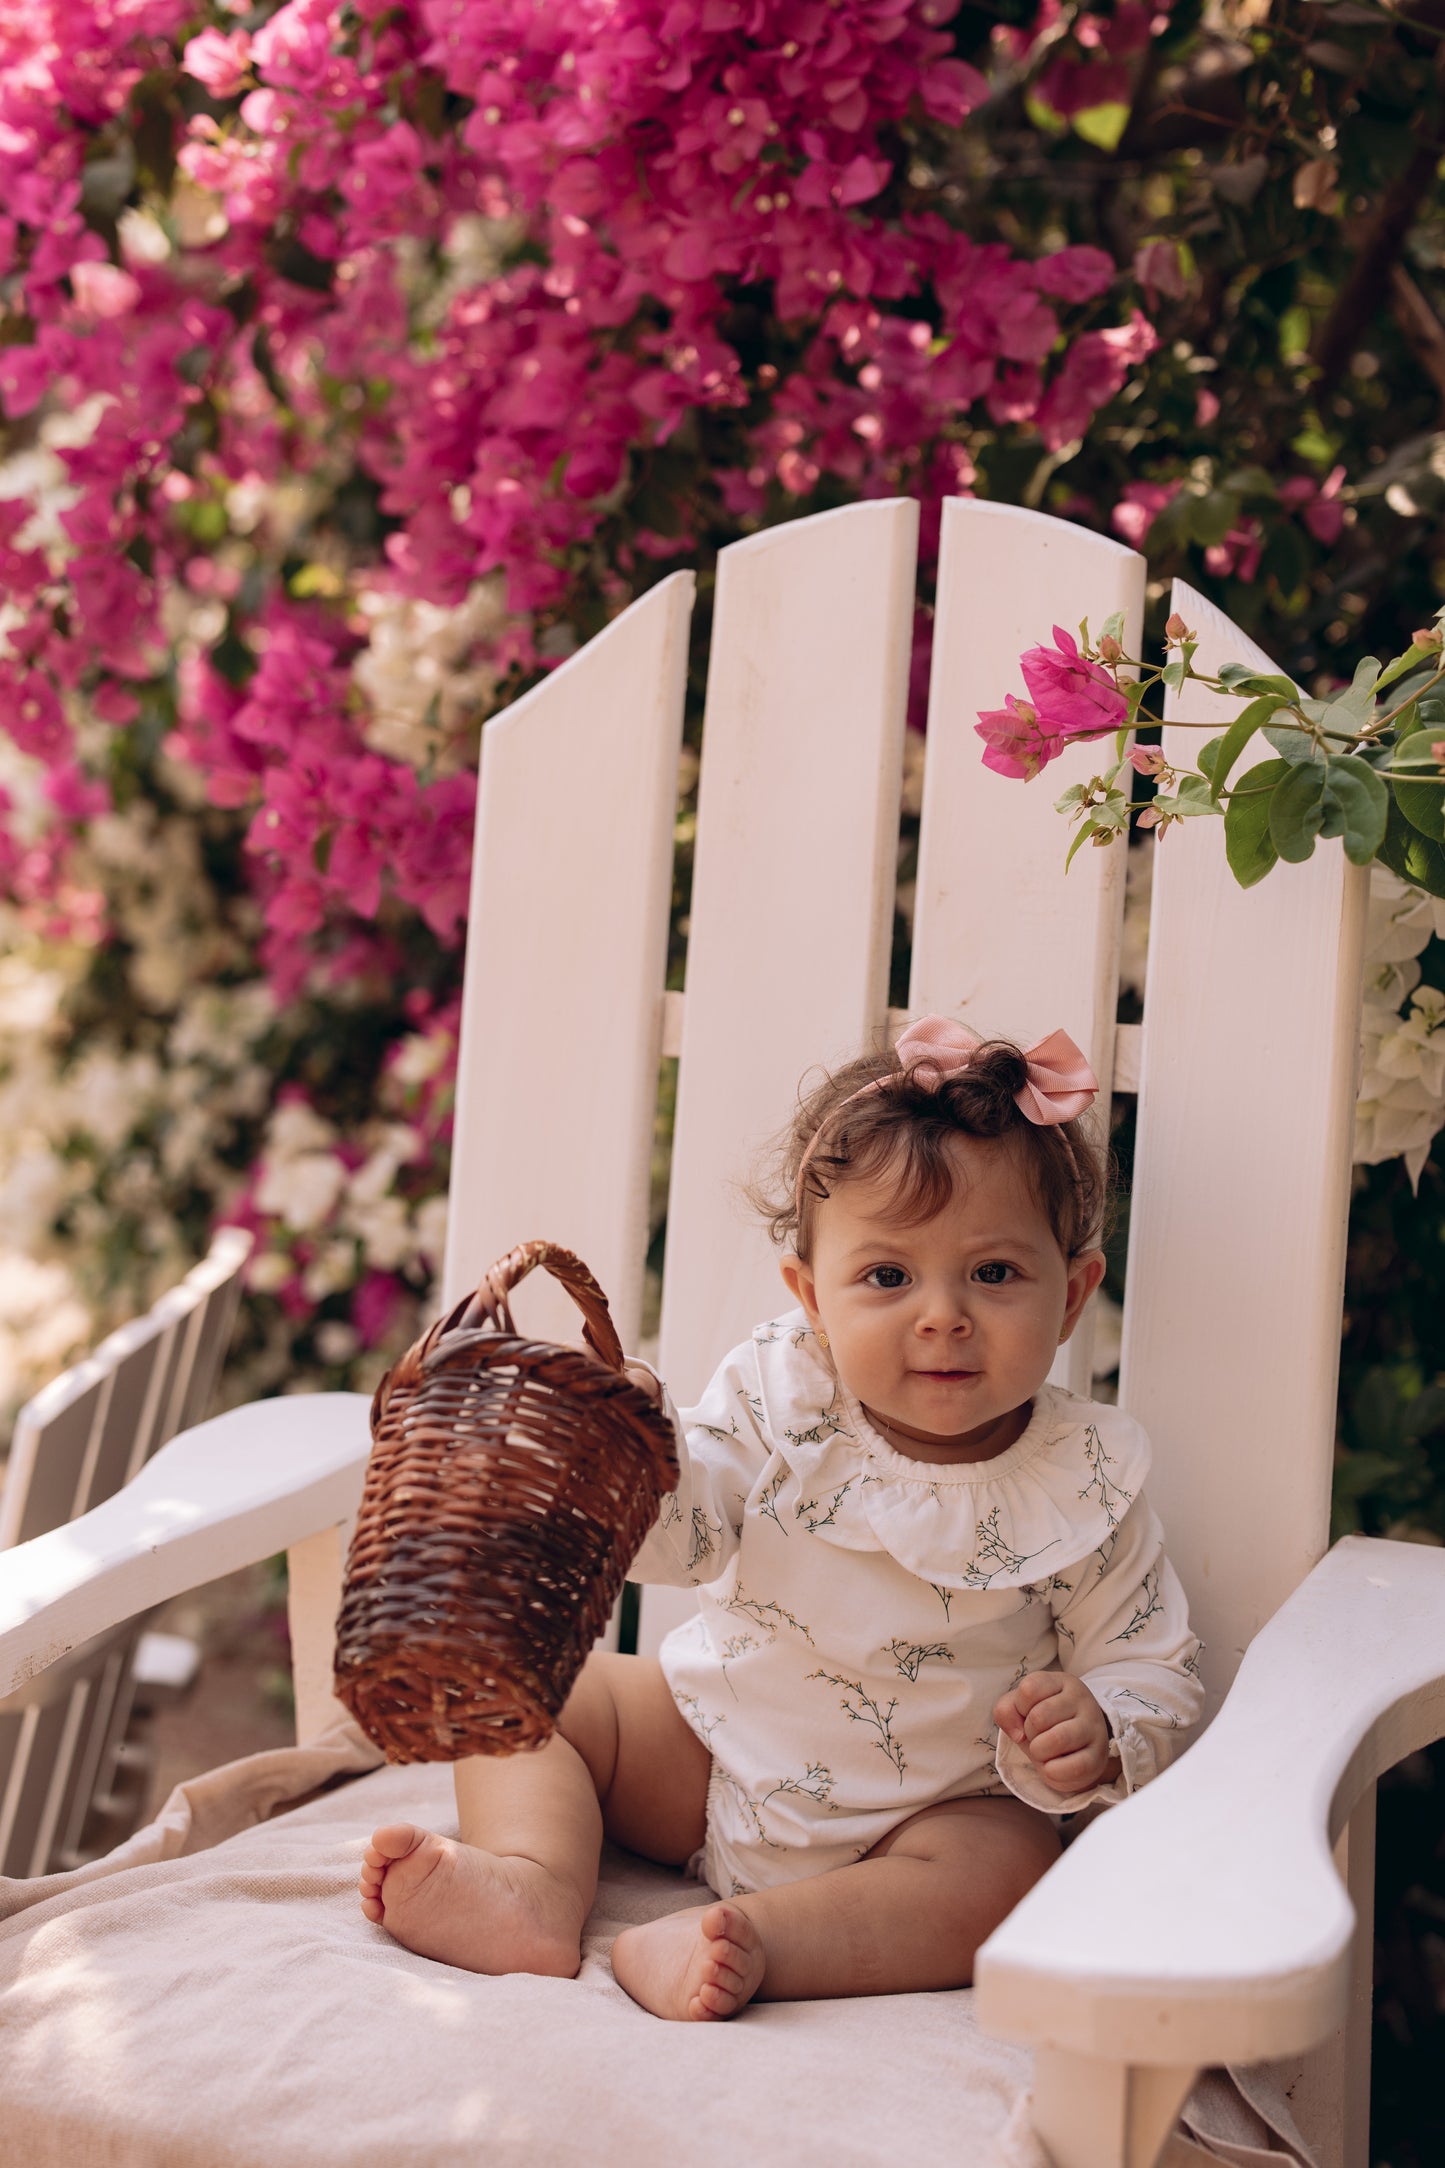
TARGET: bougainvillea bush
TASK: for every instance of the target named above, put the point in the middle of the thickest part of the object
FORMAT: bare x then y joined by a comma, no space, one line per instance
359,360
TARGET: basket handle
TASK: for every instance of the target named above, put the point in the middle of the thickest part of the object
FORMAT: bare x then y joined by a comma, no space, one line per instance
490,1299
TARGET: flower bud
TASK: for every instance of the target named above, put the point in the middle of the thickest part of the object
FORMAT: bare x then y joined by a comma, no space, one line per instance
1430,637
1176,629
1109,649
1149,818
1147,759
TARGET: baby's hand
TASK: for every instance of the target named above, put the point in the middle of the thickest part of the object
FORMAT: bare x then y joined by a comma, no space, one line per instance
1062,1729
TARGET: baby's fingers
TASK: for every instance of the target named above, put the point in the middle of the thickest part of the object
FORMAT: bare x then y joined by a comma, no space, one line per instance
1009,1718
1073,1736
1076,1772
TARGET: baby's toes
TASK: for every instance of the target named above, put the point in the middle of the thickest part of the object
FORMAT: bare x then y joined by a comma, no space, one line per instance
715,1999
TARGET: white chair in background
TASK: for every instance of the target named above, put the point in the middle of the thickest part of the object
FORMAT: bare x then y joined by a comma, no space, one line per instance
1204,1922
80,1440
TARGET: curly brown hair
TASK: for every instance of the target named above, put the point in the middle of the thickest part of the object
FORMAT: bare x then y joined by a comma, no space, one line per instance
907,1128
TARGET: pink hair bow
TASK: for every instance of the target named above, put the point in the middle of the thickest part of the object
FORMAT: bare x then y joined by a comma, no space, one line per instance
1059,1082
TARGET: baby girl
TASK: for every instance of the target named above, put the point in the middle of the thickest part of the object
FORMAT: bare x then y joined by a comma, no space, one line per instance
935,1610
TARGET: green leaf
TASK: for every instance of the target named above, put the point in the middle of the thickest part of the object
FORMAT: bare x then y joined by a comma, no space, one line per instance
1362,686
1413,856
1247,842
1297,810
1349,711
1423,804
1195,796
1102,125
1410,660
1357,806
1176,670
1071,797
1044,117
1113,627
1238,677
1291,744
1212,515
1089,829
1238,735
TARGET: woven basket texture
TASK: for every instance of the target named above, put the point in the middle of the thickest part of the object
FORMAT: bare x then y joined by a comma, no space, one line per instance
509,1486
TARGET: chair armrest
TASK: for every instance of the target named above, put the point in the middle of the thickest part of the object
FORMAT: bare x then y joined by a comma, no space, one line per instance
1203,1921
241,1487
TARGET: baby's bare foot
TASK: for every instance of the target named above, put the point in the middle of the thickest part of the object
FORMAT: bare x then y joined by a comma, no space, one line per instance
692,1964
467,1907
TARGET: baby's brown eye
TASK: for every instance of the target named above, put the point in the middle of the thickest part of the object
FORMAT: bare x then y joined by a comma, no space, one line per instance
888,1277
994,1273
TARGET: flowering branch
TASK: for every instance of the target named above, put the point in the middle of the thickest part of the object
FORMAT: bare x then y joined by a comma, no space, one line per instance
1352,766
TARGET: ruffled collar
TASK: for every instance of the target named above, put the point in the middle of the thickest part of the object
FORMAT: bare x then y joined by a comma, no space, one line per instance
1047,1502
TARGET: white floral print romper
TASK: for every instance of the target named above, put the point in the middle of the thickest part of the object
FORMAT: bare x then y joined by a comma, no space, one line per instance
860,1613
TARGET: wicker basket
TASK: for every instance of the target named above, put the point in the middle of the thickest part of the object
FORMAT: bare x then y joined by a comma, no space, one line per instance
510,1484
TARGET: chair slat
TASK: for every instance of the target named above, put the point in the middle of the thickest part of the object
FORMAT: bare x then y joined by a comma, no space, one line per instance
76,1444
1003,936
218,1277
792,898
52,1452
792,895
562,1009
1241,1194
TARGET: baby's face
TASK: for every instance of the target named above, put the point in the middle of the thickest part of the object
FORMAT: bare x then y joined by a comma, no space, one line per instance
946,1328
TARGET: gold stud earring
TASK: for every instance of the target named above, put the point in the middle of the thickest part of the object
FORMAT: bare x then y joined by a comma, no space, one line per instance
822,1339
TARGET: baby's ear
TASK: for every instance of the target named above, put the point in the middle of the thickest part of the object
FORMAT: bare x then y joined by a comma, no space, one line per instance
798,1279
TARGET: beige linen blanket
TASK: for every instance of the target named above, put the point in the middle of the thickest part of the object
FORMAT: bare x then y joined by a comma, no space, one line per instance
209,1996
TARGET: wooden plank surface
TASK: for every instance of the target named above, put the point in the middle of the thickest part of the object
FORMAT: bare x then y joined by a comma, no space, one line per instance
792,899
1003,937
1241,1197
566,952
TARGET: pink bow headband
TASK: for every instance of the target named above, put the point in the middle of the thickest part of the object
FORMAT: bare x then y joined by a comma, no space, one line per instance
1058,1082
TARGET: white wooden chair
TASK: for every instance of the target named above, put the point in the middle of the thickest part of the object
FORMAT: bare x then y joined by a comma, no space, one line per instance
79,1441
1204,1922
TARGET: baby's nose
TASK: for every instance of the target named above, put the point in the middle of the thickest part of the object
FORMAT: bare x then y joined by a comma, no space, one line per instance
944,1313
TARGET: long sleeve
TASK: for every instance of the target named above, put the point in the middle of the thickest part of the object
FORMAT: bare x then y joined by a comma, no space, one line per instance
1123,1629
721,1453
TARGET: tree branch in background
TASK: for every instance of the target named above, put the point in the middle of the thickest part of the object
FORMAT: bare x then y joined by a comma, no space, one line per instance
1377,248
1423,330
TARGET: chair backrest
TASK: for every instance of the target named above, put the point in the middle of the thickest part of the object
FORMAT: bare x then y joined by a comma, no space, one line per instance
76,1443
1248,1040
87,1432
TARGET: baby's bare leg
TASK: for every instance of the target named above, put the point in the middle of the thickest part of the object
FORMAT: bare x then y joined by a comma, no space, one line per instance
514,1894
909,1916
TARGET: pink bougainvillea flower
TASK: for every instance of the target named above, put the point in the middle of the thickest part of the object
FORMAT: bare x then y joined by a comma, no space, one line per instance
219,61
1147,759
1139,507
1238,555
1014,740
1160,270
1318,503
1074,698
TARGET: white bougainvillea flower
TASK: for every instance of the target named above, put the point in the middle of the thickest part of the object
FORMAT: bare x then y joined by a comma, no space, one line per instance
1401,919
1401,1102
